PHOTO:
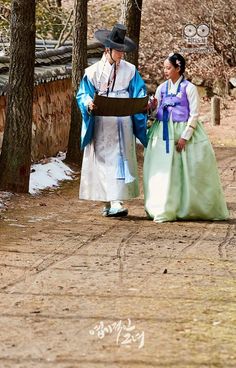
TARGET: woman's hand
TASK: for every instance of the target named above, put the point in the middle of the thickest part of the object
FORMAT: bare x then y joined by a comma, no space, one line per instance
180,144
152,104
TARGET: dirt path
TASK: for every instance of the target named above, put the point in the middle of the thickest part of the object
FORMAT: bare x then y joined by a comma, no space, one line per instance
165,293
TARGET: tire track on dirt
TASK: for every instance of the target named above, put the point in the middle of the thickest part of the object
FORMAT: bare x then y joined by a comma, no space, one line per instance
195,241
175,256
223,248
121,256
55,257
229,167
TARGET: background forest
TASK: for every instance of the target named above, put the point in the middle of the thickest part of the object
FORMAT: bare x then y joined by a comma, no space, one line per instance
162,31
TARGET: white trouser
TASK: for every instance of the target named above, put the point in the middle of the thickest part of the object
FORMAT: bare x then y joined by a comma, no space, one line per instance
113,204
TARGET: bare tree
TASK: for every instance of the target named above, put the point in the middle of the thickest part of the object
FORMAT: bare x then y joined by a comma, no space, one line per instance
79,63
131,17
15,159
54,3
220,16
223,21
5,13
63,37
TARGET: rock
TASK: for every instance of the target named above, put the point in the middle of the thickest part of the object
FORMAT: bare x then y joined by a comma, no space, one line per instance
233,92
202,91
233,81
219,87
198,81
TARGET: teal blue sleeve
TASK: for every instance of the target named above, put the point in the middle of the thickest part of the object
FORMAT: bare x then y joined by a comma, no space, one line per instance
85,91
137,89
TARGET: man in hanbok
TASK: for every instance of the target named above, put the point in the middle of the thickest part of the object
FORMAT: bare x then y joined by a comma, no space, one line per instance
109,169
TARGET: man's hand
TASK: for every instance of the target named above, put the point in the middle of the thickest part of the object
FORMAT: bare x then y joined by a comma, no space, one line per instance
180,144
91,106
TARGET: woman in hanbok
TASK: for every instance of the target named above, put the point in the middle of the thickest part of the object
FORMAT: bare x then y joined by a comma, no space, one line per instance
109,168
181,179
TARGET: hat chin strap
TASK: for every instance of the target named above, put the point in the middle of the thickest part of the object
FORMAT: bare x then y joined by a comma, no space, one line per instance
110,53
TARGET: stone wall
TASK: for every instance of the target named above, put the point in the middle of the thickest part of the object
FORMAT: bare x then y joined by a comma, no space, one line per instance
51,118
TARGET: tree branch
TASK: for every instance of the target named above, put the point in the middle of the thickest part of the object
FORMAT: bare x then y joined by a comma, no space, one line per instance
64,29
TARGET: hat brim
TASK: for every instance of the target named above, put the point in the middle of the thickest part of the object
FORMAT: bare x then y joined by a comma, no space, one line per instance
103,35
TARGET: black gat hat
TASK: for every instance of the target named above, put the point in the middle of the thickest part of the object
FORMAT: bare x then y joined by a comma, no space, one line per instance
115,39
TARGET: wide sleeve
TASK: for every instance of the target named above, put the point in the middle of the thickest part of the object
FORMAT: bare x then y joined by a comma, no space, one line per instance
153,113
137,89
158,96
84,96
194,103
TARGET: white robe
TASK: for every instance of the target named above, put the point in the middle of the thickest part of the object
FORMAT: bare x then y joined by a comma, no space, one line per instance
100,161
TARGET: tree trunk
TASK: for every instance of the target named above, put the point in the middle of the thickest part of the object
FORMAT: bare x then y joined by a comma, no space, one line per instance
131,17
79,63
15,158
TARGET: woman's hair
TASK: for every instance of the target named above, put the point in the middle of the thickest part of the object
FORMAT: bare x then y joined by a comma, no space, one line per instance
177,60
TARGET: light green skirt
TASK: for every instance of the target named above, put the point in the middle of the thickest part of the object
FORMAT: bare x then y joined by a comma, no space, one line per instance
182,185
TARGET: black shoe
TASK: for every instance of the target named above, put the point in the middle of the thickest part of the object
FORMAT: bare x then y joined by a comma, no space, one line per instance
115,212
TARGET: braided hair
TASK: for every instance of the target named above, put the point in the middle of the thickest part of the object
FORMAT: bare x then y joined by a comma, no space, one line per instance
177,60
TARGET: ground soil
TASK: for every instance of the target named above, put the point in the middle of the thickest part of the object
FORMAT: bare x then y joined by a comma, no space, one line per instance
67,272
